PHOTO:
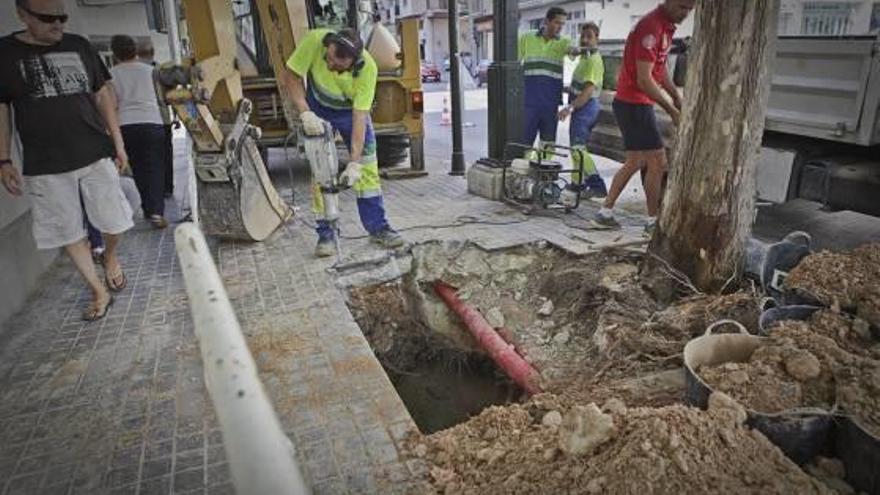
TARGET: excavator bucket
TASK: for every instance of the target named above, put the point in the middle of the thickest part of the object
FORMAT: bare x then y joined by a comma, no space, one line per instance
246,206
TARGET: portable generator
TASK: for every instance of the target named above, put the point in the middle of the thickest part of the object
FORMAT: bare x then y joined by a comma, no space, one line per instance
538,182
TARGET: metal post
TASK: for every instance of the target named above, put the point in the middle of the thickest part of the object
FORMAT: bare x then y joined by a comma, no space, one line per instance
173,32
455,88
505,80
261,457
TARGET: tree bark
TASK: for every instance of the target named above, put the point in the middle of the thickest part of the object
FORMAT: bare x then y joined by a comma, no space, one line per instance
709,204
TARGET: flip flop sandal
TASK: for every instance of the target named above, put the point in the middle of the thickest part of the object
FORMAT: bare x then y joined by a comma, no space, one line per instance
118,282
94,314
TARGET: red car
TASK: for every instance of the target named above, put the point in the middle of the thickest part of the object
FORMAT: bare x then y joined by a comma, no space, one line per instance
430,73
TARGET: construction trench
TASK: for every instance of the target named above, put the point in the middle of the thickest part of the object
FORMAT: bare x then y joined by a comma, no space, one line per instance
616,411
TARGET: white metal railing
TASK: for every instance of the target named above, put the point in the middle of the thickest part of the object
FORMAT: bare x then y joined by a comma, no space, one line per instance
261,457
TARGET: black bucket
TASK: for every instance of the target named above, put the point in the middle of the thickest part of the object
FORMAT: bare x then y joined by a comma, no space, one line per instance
860,452
800,434
770,317
769,263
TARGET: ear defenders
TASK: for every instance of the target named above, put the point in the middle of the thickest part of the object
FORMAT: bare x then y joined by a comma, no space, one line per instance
352,48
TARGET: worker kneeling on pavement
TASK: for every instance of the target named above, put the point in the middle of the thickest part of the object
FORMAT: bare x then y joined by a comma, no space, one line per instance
341,86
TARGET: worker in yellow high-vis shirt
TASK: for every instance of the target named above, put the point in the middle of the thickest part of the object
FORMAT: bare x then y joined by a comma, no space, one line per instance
341,86
584,108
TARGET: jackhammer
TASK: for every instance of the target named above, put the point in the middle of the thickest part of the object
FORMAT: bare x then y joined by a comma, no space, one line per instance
323,161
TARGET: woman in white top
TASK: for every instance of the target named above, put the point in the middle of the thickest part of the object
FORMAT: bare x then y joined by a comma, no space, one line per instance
142,127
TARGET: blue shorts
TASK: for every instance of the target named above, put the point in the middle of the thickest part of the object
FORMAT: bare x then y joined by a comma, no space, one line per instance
638,124
582,122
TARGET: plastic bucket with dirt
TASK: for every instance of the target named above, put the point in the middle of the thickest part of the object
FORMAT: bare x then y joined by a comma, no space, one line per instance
772,316
801,434
860,452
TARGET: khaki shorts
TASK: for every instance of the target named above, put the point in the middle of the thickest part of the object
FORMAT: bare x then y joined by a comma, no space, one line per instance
56,209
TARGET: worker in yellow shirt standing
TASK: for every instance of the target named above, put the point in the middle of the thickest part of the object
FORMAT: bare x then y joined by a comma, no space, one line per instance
584,108
341,86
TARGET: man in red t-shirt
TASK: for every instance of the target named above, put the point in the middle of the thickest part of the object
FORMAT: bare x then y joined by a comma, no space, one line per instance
643,81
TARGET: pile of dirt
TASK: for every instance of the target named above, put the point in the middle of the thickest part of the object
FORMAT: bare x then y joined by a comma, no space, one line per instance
846,281
546,446
831,472
851,334
778,376
806,364
856,377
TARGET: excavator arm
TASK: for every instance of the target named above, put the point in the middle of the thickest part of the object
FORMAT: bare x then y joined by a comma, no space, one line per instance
236,198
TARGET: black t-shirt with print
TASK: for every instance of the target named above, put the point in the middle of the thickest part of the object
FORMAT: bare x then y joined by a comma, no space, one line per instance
52,91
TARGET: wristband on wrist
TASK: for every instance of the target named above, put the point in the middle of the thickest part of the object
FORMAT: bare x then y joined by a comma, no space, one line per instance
5,161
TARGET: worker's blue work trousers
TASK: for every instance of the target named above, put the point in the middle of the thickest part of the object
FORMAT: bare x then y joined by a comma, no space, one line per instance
582,122
540,122
368,189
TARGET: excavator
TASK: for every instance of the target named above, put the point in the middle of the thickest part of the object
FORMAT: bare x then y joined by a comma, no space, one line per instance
225,95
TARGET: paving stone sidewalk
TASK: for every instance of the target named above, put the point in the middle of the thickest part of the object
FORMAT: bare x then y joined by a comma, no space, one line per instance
119,405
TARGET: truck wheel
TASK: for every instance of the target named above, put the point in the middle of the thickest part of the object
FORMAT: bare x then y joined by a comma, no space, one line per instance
392,149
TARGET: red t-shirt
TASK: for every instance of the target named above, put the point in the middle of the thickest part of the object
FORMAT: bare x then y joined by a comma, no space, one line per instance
649,41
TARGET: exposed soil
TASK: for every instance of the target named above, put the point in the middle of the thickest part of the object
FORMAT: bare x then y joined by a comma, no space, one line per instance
850,334
582,322
779,376
806,364
529,449
849,281
598,337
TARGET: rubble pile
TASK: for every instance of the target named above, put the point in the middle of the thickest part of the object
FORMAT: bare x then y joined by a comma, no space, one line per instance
613,449
612,419
813,363
847,281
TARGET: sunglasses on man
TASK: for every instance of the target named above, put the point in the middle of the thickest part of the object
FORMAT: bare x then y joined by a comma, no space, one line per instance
47,18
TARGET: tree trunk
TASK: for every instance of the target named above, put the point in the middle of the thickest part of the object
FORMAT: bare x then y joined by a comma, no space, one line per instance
708,207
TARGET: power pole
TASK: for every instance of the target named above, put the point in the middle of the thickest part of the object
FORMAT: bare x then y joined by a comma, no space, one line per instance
709,205
455,88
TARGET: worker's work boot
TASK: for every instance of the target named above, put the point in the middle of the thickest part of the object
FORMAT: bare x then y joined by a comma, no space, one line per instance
595,187
388,238
326,247
606,217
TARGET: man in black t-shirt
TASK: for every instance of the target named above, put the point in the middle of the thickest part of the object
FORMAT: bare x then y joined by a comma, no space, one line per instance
65,114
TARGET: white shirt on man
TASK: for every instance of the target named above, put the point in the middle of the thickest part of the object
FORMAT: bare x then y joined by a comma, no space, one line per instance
135,93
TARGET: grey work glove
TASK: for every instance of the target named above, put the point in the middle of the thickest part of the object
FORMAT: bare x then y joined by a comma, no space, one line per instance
350,175
312,124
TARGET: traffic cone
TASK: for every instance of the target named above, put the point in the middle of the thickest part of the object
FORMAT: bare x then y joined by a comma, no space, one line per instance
445,116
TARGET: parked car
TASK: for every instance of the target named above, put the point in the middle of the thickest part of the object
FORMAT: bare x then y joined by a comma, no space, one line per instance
482,75
430,72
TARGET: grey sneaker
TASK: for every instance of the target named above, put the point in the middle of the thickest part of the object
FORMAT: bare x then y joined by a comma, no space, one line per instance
605,219
388,238
326,247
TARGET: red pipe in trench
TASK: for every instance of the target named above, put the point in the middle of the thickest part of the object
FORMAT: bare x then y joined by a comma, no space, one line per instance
504,355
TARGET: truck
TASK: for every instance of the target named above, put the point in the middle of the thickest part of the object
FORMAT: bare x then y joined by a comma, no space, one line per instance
822,125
